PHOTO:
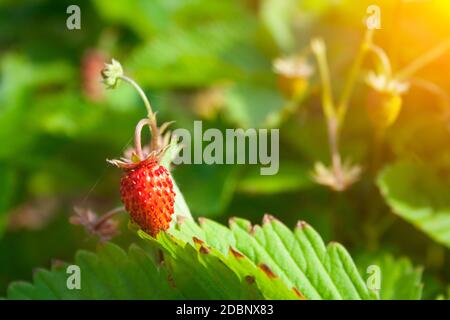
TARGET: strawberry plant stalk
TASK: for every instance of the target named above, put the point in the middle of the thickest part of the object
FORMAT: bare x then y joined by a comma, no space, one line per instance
151,116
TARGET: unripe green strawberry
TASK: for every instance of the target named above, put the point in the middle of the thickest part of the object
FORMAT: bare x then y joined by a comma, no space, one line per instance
147,193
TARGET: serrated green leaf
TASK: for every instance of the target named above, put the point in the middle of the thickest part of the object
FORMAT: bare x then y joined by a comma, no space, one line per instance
205,272
417,194
300,258
110,274
200,273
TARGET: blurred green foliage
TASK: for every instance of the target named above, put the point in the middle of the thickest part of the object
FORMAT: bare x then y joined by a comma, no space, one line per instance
208,60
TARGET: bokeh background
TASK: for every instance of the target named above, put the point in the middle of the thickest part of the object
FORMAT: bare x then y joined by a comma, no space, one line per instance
211,60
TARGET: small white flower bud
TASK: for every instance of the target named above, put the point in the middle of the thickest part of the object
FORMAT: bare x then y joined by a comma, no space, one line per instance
111,74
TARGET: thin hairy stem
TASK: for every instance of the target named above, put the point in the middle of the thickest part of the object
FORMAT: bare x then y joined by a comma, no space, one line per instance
151,115
423,60
383,59
319,50
141,93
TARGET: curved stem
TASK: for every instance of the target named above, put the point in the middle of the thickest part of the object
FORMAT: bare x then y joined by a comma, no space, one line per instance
108,216
151,115
423,60
137,137
141,93
319,50
383,59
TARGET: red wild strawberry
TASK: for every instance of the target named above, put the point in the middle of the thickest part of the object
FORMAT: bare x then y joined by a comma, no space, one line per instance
147,193
146,187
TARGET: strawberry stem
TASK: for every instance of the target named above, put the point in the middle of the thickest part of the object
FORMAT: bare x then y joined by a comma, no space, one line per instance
141,93
137,137
384,64
319,50
151,116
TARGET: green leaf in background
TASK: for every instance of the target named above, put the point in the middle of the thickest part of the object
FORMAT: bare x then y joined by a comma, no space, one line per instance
254,106
208,189
400,280
290,177
66,114
20,73
20,78
143,17
8,184
181,209
417,194
110,274
185,58
193,50
277,16
299,258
